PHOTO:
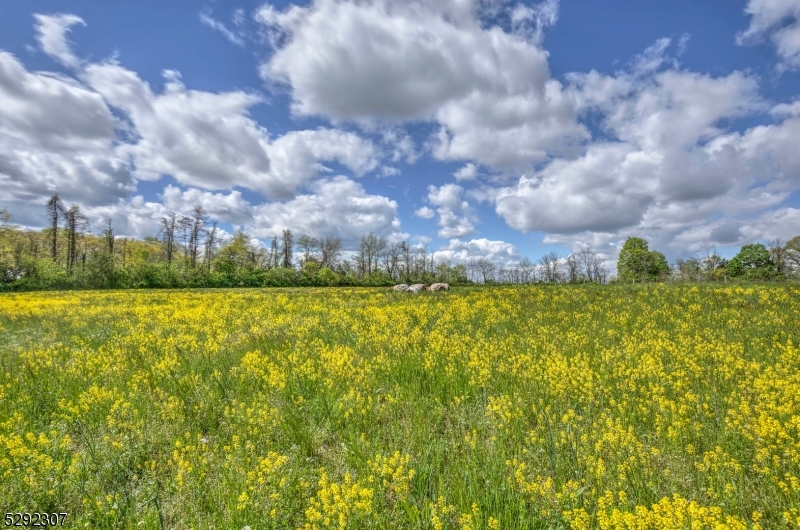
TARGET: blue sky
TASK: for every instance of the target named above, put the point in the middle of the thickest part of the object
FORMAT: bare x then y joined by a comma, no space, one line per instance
479,128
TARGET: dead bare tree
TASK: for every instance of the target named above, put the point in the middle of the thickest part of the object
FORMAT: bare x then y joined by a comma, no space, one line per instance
550,267
420,260
197,228
405,253
185,227
599,272
55,208
108,233
527,271
486,268
287,249
169,224
76,222
587,258
573,266
793,253
212,240
777,250
391,259
331,251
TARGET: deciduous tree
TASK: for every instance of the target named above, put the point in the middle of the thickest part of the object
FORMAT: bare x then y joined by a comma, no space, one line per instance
753,262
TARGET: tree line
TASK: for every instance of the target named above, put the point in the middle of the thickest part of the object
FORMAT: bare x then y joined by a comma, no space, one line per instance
190,251
776,260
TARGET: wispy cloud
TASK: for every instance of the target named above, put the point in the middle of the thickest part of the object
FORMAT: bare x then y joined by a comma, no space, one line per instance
51,32
211,22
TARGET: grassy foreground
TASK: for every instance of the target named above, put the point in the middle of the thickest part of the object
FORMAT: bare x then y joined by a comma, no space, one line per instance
642,407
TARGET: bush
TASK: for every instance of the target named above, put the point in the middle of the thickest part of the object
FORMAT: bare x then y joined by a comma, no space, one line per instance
327,277
280,277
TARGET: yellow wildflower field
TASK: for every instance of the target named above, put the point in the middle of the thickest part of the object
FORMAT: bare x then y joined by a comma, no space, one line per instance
612,407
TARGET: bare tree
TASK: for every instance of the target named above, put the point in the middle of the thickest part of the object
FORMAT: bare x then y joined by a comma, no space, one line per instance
550,267
108,234
212,240
405,254
55,208
573,267
331,252
370,249
471,268
197,228
363,257
420,260
593,267
711,262
168,226
599,272
391,259
527,270
379,248
486,268
793,253
286,249
185,227
274,254
76,222
508,274
777,250
587,258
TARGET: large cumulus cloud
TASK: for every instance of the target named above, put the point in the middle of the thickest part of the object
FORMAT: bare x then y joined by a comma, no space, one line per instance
56,135
665,164
93,134
488,88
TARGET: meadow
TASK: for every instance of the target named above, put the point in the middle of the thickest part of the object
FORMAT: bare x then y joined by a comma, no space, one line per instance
575,407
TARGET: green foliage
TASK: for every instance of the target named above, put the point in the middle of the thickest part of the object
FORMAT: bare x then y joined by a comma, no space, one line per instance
42,273
327,277
793,254
753,262
658,267
516,407
638,263
632,262
280,277
74,258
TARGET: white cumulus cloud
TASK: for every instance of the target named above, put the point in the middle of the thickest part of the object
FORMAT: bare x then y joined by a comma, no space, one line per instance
780,21
460,251
337,207
489,90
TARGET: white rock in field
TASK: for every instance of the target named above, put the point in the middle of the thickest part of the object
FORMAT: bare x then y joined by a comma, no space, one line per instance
400,288
417,287
439,287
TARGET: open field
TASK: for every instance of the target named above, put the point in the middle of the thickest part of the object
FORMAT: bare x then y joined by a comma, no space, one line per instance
540,407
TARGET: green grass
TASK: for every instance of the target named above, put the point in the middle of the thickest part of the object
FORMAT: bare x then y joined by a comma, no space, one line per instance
162,409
